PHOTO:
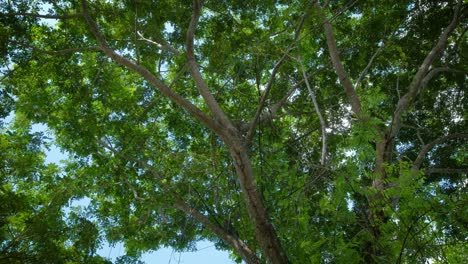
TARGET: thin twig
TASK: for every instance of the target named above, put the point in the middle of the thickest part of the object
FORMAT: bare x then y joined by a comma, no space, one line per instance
253,124
160,43
317,110
68,16
257,117
66,51
364,72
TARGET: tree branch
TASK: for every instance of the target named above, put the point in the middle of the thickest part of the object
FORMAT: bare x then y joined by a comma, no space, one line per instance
66,51
265,116
426,148
261,104
69,16
415,86
446,170
160,43
364,72
55,52
307,11
179,75
198,78
278,105
236,243
154,101
317,110
258,114
338,65
147,75
264,230
432,73
240,247
350,4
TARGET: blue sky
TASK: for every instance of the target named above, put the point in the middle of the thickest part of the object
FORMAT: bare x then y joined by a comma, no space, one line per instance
206,253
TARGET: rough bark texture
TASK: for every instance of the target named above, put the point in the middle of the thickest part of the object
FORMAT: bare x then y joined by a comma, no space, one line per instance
264,230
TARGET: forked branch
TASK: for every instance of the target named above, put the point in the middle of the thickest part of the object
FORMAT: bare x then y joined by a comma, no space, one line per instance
258,114
426,148
366,69
416,84
198,78
273,110
146,74
256,119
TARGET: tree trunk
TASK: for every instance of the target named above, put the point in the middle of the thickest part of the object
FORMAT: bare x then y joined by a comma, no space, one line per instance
377,202
264,230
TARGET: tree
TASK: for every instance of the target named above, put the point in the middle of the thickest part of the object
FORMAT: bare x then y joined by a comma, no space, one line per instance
295,131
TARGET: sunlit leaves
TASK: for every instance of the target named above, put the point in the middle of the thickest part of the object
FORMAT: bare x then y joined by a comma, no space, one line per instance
133,151
33,225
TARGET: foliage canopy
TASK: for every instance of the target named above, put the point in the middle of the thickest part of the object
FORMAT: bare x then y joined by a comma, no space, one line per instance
283,131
